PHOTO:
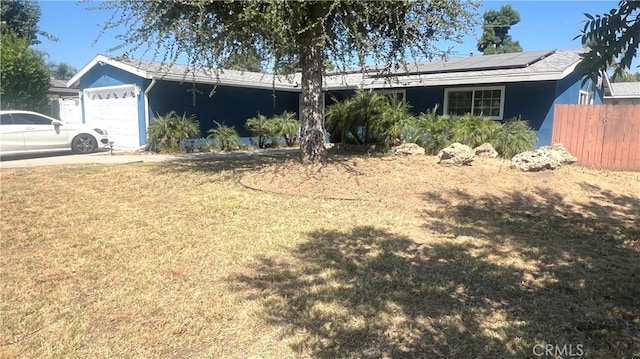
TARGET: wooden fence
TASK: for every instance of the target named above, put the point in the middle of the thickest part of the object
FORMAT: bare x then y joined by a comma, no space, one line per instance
600,136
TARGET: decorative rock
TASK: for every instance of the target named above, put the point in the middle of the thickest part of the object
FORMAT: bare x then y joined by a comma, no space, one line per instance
456,154
532,161
559,153
407,149
485,150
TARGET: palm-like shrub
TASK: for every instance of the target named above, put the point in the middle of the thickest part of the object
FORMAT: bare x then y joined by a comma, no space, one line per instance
514,136
366,108
370,117
339,120
287,126
166,132
433,132
225,137
261,128
474,130
396,122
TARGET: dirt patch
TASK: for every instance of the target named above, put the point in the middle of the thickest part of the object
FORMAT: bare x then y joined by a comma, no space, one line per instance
406,179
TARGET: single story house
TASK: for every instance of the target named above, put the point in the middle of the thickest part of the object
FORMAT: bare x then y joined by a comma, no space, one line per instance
622,93
124,95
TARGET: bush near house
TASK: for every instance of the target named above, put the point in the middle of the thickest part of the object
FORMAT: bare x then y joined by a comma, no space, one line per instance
168,131
225,137
286,126
474,130
432,132
372,118
514,136
261,128
268,131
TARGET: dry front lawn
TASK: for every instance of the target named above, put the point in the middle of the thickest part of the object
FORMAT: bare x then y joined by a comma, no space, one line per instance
365,257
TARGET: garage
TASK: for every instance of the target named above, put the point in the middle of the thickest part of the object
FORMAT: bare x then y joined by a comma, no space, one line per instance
114,108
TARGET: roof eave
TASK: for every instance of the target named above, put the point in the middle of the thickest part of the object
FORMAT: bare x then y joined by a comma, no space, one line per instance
623,97
228,82
400,82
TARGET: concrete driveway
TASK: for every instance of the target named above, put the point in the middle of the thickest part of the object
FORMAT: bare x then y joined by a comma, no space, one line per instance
68,158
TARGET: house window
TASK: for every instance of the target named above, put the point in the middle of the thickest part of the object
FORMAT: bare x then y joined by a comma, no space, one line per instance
585,98
481,101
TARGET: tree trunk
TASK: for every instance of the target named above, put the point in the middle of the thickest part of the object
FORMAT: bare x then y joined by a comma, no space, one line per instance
312,147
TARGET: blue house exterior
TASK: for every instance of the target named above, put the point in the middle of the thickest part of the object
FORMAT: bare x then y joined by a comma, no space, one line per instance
124,96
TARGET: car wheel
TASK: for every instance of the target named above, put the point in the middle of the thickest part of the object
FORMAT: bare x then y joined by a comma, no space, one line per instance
84,143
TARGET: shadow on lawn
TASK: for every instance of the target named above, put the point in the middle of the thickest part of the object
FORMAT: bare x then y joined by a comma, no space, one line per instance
505,274
228,166
234,165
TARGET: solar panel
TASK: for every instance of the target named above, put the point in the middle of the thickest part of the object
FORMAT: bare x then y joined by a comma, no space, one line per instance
475,63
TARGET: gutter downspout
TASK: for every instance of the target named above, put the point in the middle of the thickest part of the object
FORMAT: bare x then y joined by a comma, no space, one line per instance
146,105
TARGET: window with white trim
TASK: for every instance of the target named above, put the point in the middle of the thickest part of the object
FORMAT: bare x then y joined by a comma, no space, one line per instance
478,101
585,98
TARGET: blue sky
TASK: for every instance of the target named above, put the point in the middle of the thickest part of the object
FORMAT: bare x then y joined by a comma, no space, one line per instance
543,25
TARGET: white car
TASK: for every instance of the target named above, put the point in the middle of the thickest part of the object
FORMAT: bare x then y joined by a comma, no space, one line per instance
29,132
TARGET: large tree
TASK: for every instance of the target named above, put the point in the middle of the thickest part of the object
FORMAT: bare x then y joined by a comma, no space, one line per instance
495,36
24,77
305,33
610,37
21,17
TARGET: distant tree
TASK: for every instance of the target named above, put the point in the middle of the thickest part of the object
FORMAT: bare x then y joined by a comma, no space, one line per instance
62,71
24,76
306,33
246,59
21,17
495,36
621,75
610,37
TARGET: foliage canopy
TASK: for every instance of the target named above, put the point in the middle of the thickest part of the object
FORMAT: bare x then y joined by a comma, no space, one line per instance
611,36
21,17
24,76
495,36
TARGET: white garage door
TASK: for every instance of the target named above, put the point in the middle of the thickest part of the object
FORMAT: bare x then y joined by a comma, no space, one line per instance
114,108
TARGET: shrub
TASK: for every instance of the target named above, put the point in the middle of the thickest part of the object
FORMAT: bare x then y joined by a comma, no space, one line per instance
433,132
205,148
261,128
287,126
168,131
366,109
24,79
396,123
514,136
339,121
225,137
370,117
474,130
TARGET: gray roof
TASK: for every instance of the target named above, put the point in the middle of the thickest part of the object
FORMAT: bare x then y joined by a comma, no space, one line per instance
159,70
526,66
625,89
554,66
